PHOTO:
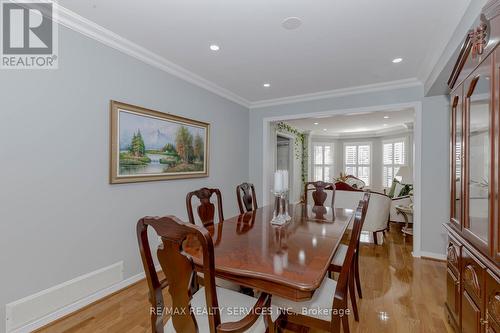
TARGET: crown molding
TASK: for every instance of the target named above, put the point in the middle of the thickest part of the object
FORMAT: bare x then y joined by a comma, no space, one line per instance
79,24
398,84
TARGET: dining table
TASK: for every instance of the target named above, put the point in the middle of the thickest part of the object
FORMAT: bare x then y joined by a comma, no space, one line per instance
289,260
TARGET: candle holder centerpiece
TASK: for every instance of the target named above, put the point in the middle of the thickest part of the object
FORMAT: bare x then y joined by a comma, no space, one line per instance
281,202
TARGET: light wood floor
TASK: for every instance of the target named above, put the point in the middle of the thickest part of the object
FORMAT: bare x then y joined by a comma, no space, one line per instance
400,294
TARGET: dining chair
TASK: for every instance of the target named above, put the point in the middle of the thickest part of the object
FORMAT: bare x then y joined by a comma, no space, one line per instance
206,209
339,258
206,214
327,309
318,192
248,201
194,311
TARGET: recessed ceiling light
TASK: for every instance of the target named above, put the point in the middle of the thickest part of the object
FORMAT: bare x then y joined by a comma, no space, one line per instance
214,47
316,123
386,117
291,23
397,60
266,85
324,129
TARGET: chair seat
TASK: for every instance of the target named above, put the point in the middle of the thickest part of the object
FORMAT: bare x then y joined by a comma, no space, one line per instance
319,306
234,306
339,257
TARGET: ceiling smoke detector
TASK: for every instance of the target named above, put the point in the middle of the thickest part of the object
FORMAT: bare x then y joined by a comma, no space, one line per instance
291,23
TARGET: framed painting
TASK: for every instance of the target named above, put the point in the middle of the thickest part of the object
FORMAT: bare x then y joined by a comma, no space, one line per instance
148,145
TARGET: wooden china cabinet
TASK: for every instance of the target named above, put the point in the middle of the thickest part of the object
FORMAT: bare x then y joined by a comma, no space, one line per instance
473,254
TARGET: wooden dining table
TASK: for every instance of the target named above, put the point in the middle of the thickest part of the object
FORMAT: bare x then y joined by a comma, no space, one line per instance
290,260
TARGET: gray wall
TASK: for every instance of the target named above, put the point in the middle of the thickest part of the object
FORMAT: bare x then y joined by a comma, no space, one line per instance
435,147
59,216
435,172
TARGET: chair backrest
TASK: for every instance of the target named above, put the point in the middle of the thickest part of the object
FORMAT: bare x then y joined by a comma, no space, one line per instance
248,201
341,289
318,192
206,209
366,202
179,272
355,182
378,210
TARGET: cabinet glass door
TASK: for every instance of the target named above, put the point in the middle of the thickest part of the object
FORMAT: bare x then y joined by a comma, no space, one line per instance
456,156
478,101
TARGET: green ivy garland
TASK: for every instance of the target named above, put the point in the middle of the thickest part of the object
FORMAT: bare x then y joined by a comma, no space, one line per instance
300,146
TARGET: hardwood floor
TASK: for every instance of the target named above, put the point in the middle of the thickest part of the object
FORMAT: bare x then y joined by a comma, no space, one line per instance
400,294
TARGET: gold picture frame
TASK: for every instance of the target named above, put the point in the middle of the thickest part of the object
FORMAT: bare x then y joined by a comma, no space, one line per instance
148,145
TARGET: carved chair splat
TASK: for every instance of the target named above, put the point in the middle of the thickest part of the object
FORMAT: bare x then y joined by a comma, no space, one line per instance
248,201
206,209
319,194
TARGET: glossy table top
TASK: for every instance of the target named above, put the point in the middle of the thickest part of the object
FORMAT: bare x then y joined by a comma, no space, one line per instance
289,260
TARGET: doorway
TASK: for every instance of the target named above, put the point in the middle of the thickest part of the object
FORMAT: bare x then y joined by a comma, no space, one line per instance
268,154
284,158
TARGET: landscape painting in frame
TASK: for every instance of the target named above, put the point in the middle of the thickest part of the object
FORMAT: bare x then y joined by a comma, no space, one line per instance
148,145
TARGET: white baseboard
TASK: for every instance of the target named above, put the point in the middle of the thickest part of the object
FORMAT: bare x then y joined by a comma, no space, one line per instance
432,255
81,303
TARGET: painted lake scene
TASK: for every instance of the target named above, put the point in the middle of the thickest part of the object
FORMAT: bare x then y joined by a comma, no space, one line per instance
150,145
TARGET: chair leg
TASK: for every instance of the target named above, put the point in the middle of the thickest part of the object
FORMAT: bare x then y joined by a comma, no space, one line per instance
345,324
336,324
352,293
375,241
356,274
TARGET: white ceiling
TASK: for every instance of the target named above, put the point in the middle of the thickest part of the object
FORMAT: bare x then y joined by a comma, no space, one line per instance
341,43
355,125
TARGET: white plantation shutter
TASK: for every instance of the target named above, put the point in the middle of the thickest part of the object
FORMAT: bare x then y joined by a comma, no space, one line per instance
323,162
328,156
318,173
318,154
364,154
394,157
351,154
357,161
388,153
388,176
327,174
351,170
399,153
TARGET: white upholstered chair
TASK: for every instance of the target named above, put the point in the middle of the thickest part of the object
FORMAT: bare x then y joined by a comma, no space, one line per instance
400,201
378,210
